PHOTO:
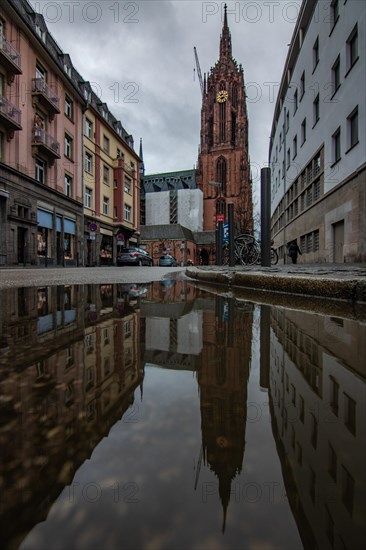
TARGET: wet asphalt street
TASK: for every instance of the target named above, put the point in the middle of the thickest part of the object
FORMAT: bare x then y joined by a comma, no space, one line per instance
20,277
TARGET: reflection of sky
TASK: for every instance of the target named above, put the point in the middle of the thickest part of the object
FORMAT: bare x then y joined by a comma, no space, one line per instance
150,456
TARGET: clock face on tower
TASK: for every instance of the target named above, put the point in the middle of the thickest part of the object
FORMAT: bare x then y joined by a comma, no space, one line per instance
222,96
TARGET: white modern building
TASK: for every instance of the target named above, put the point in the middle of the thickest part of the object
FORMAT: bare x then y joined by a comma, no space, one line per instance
318,139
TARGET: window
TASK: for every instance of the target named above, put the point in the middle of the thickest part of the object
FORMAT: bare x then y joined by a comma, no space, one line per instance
1,146
41,33
40,72
332,462
287,121
348,490
316,109
127,185
128,213
314,431
40,174
302,85
334,13
69,108
296,101
336,74
105,206
350,413
68,147
294,147
105,174
88,163
336,142
352,48
303,131
88,197
316,53
68,185
334,395
352,122
67,69
88,128
106,144
288,158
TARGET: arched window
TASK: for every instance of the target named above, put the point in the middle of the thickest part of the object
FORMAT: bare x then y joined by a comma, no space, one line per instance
222,122
221,173
234,95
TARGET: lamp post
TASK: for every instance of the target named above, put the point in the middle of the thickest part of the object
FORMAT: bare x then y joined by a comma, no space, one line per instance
219,223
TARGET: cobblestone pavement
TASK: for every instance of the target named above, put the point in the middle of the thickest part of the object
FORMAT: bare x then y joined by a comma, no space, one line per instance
20,277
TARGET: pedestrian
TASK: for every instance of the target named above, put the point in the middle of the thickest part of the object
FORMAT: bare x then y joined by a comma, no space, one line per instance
293,251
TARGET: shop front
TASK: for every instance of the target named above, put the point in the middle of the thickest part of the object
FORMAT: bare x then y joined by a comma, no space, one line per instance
106,247
44,237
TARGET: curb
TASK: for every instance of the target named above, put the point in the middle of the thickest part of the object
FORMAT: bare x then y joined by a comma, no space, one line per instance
348,288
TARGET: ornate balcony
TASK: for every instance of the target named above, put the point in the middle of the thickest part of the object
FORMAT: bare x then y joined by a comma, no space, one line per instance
45,144
45,96
10,116
10,58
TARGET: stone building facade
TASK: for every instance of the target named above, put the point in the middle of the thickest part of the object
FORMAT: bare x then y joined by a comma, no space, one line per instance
318,139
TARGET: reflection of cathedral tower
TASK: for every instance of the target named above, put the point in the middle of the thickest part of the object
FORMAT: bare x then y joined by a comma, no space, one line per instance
224,155
222,378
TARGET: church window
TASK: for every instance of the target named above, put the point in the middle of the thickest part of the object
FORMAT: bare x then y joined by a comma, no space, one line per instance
234,99
222,122
210,132
221,174
233,127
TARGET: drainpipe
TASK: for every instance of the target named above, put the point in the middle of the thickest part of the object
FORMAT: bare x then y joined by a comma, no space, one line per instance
82,244
284,185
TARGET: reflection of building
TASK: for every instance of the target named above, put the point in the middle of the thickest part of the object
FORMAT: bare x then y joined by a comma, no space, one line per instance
317,389
173,327
223,373
66,379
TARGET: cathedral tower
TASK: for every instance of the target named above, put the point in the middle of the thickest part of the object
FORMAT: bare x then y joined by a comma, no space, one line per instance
223,155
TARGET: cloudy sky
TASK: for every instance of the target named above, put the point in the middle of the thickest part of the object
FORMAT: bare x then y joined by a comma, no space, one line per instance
139,57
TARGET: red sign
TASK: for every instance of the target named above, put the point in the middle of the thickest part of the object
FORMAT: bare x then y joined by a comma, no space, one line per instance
220,218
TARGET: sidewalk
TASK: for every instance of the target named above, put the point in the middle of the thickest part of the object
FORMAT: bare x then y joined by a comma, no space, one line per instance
336,281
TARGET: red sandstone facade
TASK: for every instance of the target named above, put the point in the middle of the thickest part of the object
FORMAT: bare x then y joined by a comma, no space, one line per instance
224,154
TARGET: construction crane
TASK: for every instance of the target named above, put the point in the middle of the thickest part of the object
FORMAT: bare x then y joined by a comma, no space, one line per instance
198,69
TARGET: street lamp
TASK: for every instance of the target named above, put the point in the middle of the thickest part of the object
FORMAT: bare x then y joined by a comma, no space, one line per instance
219,224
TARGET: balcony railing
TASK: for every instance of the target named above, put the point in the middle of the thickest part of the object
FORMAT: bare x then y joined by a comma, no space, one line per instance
46,142
10,115
46,95
10,56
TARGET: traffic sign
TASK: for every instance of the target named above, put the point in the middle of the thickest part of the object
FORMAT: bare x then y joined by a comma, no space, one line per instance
220,218
93,227
225,233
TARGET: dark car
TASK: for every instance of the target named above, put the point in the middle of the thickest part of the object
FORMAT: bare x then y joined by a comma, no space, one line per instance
167,260
133,256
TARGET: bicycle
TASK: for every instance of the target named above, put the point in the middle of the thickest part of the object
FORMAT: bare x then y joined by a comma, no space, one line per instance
246,250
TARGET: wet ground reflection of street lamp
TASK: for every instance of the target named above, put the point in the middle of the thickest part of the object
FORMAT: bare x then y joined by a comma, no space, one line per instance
220,218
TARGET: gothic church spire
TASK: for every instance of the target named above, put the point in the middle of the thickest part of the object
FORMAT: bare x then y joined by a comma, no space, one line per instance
225,40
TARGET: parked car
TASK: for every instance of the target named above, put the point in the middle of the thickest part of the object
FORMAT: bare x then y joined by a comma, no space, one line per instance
167,260
133,256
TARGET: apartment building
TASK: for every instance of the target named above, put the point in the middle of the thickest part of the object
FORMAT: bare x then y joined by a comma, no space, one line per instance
54,132
41,111
111,185
318,139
